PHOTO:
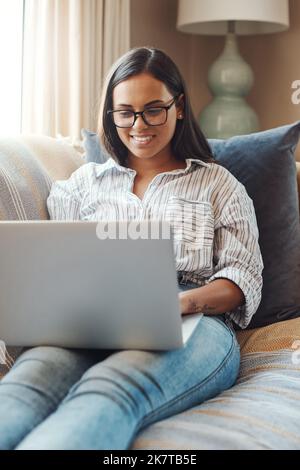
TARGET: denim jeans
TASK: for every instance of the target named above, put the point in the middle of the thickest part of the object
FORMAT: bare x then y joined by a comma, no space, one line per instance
56,398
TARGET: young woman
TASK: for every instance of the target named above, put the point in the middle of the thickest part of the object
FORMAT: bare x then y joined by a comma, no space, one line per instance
160,166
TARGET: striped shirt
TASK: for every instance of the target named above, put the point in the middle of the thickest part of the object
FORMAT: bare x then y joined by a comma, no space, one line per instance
212,218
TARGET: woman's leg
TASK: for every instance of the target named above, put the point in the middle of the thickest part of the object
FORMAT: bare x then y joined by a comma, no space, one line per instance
131,389
40,378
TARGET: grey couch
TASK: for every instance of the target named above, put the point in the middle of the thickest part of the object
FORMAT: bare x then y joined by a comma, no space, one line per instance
261,411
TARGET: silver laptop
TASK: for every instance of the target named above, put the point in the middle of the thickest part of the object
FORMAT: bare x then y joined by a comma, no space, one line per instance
90,285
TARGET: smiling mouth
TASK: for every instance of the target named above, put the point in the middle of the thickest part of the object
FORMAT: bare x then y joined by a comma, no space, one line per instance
142,140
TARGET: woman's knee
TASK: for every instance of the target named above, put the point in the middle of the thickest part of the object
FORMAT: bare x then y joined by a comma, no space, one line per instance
45,363
58,355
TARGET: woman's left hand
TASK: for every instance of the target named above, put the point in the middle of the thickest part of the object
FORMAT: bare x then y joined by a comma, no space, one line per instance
183,301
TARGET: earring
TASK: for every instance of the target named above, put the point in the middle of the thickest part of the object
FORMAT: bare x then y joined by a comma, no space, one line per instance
180,116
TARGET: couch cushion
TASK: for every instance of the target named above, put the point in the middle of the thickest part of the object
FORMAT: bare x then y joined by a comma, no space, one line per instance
264,162
28,165
281,335
59,158
93,151
261,411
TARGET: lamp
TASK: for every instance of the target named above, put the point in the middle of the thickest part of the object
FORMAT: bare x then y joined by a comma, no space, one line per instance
230,78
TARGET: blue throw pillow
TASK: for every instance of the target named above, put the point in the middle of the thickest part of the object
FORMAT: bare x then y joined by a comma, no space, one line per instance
264,163
93,151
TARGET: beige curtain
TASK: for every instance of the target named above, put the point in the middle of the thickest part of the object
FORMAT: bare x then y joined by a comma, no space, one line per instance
69,46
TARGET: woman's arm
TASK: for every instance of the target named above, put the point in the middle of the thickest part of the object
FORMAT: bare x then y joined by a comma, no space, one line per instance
219,296
236,283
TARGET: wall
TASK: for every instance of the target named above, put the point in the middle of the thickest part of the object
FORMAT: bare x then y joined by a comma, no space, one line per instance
153,23
275,59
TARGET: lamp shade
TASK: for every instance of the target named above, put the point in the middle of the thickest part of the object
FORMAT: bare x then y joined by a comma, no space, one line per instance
250,16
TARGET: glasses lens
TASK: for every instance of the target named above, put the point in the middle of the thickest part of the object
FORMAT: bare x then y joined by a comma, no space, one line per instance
155,116
152,116
123,118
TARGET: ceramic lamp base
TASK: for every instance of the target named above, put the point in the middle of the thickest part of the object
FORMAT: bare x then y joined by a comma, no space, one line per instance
230,79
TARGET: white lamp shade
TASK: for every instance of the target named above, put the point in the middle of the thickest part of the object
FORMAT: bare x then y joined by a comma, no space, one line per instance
251,16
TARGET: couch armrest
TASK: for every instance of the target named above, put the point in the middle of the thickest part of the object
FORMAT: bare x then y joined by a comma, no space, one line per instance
28,166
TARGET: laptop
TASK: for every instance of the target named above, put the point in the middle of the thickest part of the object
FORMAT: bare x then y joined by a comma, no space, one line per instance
83,284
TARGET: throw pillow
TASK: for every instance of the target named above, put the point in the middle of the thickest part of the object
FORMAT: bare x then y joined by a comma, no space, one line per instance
24,183
93,150
28,165
264,163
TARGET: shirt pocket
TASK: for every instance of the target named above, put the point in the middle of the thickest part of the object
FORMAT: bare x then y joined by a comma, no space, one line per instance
192,225
192,222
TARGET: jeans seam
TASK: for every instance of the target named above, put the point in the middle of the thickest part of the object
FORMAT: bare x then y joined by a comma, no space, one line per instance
195,387
20,360
39,392
75,394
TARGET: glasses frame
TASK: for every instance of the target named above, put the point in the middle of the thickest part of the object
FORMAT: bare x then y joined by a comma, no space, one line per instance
141,113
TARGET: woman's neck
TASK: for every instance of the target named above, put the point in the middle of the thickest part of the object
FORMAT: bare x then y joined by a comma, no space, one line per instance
149,167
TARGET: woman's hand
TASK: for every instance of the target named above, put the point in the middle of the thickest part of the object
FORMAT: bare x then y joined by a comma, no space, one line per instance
182,303
185,304
189,303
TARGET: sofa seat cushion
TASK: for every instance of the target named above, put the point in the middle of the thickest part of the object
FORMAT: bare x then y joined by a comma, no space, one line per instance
282,335
261,411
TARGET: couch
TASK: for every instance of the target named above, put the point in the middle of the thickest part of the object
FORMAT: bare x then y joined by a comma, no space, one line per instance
261,411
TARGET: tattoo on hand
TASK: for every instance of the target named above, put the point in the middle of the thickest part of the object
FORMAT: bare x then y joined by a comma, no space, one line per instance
194,307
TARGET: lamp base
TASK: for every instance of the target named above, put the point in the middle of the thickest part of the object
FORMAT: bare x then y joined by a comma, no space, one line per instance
230,78
224,118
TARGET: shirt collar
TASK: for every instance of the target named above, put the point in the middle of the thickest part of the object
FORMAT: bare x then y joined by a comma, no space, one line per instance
197,162
111,163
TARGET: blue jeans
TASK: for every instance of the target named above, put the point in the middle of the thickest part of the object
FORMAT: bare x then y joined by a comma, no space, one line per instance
55,398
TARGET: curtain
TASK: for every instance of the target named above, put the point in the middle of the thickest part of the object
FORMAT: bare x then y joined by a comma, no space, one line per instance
69,46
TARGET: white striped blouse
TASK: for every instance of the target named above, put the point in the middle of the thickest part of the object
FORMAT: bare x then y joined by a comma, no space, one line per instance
215,231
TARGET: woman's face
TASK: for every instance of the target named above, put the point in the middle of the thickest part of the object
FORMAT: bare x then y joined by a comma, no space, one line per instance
135,94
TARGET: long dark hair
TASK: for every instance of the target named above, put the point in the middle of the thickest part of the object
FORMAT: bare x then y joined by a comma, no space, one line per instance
188,140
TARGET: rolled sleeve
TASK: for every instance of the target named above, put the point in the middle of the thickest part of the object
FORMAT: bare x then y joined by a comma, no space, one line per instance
237,254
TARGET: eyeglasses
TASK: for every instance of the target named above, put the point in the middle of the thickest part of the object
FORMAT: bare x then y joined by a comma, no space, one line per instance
156,116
